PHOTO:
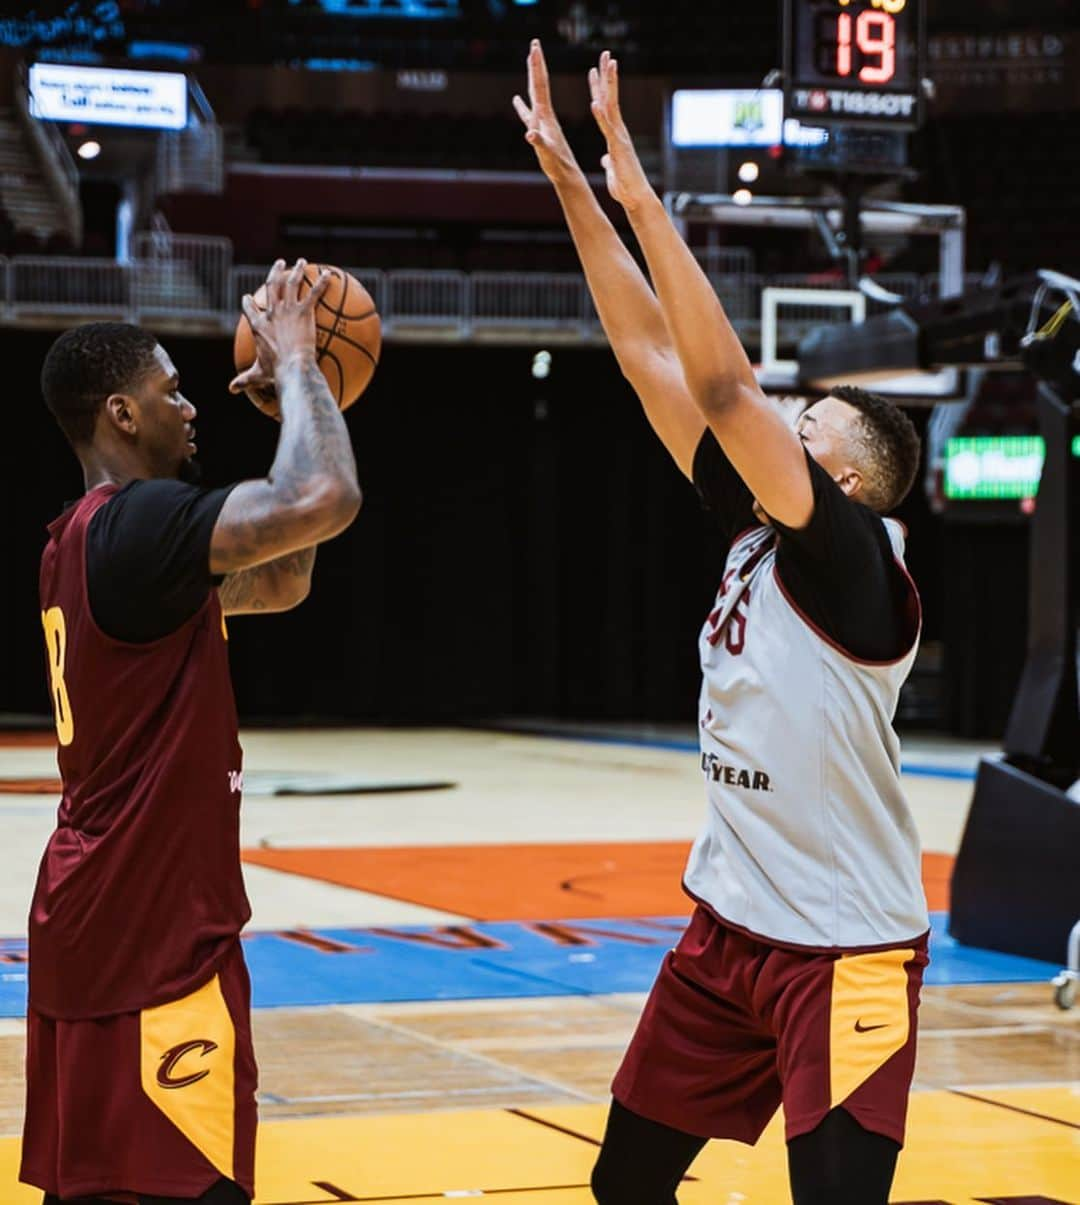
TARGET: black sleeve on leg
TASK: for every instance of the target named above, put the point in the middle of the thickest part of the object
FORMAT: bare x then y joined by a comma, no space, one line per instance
840,1163
641,1162
223,1192
51,1199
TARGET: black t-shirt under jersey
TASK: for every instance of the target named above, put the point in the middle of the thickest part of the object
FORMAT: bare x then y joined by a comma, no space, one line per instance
148,557
839,570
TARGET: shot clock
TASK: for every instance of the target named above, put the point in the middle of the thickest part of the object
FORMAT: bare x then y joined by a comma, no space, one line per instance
854,62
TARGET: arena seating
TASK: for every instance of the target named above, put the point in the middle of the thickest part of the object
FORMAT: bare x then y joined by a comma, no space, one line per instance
403,139
17,240
1018,175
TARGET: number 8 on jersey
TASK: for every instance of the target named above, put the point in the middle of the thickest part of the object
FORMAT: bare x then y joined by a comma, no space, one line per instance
56,650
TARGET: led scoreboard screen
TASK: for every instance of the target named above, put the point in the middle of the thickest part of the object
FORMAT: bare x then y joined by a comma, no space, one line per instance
855,62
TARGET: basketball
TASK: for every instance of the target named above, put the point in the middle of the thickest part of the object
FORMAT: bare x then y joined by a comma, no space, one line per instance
348,336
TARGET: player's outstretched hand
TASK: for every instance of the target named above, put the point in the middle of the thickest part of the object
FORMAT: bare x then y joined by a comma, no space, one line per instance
542,130
283,330
626,179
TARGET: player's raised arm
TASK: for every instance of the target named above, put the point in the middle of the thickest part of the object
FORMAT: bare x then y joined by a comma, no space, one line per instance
628,309
757,439
311,492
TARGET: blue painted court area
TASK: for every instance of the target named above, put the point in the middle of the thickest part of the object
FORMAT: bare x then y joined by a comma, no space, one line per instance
495,960
930,768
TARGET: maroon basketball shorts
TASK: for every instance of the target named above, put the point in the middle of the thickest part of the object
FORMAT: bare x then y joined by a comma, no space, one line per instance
160,1102
734,1027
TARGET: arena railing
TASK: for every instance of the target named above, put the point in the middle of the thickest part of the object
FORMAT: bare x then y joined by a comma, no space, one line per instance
192,159
181,274
244,278
374,280
931,283
512,300
428,301
726,261
740,295
67,286
180,278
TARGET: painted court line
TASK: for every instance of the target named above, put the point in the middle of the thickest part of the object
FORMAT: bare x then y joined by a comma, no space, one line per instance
554,1125
340,1195
1000,1104
414,1035
984,1031
344,1098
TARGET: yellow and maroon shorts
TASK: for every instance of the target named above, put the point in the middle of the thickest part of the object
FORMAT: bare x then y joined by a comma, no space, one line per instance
734,1027
160,1102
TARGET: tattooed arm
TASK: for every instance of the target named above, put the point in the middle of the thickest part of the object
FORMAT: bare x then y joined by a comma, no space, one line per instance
278,585
311,492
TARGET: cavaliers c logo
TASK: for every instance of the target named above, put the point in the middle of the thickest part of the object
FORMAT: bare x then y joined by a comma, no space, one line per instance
173,1056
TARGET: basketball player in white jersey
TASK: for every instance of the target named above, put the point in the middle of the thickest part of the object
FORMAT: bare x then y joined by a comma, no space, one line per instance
797,980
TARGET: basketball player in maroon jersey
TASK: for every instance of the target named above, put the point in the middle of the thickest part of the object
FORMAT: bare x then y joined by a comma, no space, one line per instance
140,1070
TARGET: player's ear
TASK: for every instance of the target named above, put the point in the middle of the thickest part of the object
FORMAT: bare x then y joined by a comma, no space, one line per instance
849,480
121,410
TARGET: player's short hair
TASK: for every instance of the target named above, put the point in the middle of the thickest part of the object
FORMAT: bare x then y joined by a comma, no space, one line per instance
87,364
887,445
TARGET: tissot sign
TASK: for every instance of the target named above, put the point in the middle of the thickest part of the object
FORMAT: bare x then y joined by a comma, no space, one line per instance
840,103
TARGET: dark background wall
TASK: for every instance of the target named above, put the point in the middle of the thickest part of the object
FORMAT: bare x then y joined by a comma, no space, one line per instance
524,548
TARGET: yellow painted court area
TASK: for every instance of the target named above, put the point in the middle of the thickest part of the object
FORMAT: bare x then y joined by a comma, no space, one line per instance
960,1150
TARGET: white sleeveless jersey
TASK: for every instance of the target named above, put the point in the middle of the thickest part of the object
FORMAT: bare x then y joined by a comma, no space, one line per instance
808,839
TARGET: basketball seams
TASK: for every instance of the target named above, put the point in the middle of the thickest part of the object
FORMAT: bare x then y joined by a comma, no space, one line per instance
324,353
342,338
346,281
336,274
340,373
333,334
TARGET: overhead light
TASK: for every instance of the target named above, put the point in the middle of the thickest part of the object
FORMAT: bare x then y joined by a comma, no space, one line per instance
541,365
742,196
749,172
89,149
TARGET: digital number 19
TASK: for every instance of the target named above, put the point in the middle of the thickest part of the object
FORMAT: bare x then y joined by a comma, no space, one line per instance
874,34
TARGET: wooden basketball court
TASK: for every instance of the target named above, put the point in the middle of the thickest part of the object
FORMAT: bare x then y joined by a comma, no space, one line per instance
429,968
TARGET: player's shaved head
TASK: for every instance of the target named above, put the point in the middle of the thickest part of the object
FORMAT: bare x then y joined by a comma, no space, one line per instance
89,363
884,445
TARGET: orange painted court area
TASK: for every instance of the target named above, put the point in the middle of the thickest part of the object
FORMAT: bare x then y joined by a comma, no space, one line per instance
936,875
27,739
535,882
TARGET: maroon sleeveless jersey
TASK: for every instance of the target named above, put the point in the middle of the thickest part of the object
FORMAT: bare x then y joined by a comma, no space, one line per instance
139,894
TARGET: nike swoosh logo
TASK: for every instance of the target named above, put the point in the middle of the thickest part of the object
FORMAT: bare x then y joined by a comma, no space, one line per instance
861,1028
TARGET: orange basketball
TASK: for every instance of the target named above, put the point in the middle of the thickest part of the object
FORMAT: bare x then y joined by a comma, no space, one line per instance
348,336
